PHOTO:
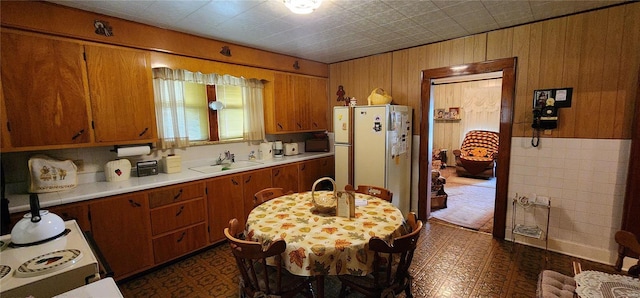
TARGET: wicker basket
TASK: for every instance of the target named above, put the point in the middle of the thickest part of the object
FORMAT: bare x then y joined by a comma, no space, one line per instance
325,203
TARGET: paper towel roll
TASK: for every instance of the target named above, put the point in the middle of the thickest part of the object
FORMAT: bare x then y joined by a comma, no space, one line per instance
131,151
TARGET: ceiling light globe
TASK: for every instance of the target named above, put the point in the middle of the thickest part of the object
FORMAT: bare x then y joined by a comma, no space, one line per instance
302,6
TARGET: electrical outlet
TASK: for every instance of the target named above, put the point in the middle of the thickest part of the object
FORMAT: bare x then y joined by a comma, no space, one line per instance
79,164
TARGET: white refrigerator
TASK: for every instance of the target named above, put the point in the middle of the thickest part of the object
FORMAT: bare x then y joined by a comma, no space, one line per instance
381,149
343,145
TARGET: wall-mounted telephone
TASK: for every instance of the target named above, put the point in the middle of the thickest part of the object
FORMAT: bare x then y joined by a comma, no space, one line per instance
545,118
545,110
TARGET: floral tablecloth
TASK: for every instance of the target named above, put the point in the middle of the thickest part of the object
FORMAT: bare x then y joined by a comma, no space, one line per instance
323,244
595,284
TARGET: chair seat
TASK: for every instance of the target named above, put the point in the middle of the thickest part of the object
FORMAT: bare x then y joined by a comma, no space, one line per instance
553,284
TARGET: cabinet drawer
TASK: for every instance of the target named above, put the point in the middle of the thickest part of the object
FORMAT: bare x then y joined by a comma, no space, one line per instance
179,243
175,194
176,216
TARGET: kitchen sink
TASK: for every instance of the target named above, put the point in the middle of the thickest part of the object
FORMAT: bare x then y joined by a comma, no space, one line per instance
225,166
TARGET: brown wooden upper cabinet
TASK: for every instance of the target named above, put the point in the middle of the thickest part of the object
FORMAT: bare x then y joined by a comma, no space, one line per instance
61,93
121,90
44,91
300,104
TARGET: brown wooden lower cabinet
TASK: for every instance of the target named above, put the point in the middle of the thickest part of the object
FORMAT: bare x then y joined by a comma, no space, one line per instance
224,201
177,215
286,177
179,243
120,227
254,181
139,230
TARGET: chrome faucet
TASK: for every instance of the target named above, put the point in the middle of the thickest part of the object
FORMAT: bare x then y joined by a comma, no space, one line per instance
227,156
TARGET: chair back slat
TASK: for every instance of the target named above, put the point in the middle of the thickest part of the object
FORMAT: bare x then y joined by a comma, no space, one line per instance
397,256
266,195
378,192
251,259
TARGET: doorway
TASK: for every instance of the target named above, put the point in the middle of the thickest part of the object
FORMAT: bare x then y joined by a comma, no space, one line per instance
464,104
507,66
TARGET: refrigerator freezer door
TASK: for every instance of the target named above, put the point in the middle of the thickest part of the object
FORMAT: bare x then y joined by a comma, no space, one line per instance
342,125
398,159
370,125
343,169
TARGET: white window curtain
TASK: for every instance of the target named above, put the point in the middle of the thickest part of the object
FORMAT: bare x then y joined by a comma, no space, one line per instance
170,112
170,104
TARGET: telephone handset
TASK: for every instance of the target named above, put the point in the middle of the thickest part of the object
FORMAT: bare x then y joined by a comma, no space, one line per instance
545,115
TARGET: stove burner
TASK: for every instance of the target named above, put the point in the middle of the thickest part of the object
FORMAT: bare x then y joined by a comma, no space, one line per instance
4,271
64,233
49,262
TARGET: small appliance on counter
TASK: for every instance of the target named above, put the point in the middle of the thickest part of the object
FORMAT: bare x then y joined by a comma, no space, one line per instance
171,164
291,149
319,143
147,168
265,152
117,170
278,149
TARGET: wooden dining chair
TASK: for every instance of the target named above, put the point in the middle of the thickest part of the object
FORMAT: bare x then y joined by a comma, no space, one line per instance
390,266
259,279
375,191
268,194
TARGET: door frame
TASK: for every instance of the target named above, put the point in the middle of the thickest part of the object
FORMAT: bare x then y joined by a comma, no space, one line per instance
508,68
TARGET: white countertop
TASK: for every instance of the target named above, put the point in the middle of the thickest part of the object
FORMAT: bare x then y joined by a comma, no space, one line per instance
89,191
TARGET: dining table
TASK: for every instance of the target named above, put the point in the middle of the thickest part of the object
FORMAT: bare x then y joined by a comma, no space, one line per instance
321,244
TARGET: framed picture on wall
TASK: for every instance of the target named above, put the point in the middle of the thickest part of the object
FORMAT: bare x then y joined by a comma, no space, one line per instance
439,114
454,112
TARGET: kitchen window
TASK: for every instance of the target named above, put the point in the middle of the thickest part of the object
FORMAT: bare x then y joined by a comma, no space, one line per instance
182,108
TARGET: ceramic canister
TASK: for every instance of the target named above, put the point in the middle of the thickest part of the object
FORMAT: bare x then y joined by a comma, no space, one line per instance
265,151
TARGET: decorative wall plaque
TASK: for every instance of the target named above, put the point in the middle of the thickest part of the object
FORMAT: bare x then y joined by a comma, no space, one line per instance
103,28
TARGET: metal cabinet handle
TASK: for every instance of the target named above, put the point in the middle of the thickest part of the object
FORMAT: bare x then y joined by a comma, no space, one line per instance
299,125
181,237
134,203
248,180
277,173
280,126
315,124
180,211
303,167
234,181
77,135
177,195
143,132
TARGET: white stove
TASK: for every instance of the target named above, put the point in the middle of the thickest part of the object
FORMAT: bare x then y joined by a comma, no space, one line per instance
47,269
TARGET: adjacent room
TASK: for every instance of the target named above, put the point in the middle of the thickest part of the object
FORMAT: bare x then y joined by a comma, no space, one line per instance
320,148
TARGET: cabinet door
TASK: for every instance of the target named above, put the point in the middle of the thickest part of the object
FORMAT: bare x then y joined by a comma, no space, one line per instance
76,211
327,167
44,91
309,172
253,182
285,111
121,91
120,227
225,201
318,104
286,177
302,102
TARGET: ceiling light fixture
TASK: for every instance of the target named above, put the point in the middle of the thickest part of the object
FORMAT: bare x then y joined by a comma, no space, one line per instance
302,6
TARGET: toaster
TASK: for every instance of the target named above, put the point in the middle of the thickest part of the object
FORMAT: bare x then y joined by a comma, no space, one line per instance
291,149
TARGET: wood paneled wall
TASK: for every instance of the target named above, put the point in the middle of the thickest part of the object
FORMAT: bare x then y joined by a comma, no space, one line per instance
597,53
